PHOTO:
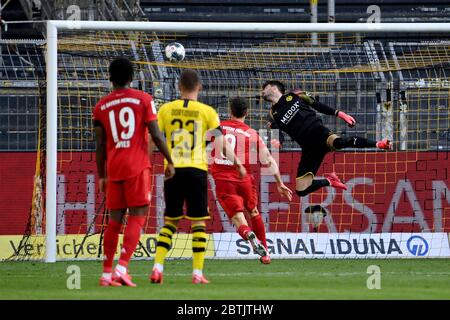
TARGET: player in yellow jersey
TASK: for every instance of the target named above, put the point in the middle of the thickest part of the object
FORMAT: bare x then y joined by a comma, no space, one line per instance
185,123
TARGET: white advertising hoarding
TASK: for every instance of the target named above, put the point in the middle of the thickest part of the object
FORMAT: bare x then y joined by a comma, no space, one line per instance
338,245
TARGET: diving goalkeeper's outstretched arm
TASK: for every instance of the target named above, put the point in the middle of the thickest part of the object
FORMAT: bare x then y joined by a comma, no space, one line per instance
325,109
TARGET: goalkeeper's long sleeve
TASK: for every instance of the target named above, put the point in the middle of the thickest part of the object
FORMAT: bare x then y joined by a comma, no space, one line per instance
321,107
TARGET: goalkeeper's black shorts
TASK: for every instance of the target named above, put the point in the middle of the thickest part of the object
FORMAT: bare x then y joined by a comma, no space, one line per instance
313,151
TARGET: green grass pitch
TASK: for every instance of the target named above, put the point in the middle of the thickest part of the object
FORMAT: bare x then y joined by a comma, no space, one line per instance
236,279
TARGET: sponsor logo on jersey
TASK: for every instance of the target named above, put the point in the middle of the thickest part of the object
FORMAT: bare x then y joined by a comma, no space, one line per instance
115,102
290,113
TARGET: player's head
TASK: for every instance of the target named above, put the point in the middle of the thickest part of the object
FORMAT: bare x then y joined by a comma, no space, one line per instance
238,107
121,72
189,81
316,215
272,90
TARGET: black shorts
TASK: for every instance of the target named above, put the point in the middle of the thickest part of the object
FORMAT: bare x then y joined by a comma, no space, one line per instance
314,151
190,186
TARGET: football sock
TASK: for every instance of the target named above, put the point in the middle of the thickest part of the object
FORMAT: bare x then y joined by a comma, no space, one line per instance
131,238
243,230
107,275
315,185
164,243
353,142
121,268
259,229
198,246
158,267
110,240
197,272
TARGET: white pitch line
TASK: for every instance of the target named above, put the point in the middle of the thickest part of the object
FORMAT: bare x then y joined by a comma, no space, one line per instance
222,274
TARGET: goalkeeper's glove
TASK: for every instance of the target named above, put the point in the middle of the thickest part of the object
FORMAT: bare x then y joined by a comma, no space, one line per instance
348,119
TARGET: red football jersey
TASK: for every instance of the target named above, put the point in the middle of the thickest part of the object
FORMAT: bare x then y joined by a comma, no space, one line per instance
124,115
246,143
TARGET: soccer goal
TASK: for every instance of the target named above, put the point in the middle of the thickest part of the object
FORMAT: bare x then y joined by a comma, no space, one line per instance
393,78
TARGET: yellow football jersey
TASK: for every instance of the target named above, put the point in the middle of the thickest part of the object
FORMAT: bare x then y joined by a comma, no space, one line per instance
185,123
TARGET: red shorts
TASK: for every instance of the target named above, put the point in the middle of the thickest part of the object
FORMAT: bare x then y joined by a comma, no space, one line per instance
234,197
134,192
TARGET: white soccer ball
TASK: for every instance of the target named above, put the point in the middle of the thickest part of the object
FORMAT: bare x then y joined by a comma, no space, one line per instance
175,52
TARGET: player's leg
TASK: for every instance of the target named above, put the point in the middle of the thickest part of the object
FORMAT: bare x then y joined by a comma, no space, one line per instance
246,233
260,231
239,222
163,246
137,193
116,204
199,243
197,211
110,241
174,197
232,202
231,196
248,192
309,165
132,233
336,142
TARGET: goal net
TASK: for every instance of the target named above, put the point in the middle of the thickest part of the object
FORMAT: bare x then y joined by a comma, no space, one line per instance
396,86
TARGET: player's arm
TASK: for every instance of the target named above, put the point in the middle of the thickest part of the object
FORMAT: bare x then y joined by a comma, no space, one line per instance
325,109
267,160
160,142
100,154
151,145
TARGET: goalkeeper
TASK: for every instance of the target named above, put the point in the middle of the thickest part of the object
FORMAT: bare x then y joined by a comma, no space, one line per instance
295,114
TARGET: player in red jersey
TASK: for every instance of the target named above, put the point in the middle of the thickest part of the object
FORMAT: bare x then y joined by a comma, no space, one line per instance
122,121
235,194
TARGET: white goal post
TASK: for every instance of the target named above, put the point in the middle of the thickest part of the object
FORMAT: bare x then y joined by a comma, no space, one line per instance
52,73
